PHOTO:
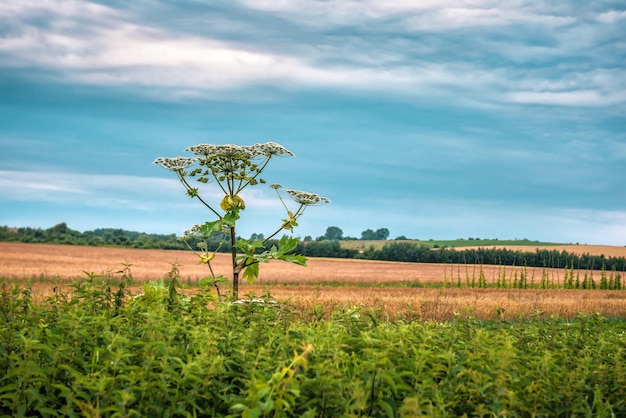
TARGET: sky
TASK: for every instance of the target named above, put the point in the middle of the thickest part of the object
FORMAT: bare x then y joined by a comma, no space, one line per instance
435,120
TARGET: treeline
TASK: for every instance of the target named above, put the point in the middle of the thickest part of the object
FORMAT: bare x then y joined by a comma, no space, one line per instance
102,237
420,253
393,251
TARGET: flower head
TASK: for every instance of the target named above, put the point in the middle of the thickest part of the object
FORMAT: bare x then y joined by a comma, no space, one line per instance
306,198
239,151
272,148
224,151
175,163
193,232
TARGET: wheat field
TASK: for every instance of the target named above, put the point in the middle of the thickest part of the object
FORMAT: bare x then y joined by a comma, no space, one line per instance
390,289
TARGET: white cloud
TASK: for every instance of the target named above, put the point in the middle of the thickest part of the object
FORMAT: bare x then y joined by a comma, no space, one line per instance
454,218
95,44
88,189
114,190
562,98
433,16
612,16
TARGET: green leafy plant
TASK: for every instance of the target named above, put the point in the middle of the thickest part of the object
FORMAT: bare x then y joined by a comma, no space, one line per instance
233,168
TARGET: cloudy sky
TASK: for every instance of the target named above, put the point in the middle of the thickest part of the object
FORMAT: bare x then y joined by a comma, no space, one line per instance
464,118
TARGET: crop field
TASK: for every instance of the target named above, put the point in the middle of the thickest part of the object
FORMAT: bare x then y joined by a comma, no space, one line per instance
396,290
339,338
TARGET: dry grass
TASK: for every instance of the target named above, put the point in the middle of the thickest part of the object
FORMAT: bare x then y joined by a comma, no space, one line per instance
326,283
447,303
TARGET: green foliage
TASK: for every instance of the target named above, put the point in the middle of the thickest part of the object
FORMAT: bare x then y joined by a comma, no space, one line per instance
110,237
333,233
161,353
380,234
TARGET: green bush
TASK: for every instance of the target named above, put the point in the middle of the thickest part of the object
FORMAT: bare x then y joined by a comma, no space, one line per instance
101,351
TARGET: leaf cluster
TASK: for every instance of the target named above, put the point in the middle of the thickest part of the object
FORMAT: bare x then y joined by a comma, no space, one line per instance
162,353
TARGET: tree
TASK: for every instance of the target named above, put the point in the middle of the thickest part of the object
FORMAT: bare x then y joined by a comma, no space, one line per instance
232,168
368,235
257,237
333,233
379,234
382,234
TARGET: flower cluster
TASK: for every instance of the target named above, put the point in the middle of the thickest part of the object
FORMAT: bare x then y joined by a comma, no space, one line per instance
228,151
272,148
175,163
193,232
247,152
306,198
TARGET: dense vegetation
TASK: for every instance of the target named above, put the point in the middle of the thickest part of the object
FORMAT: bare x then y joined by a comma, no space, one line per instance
103,352
405,251
113,237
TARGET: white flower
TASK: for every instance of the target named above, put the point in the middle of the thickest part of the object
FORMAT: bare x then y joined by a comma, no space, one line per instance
194,231
175,163
246,152
272,148
306,198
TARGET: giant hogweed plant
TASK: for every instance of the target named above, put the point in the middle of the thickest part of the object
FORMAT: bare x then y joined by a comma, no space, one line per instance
233,168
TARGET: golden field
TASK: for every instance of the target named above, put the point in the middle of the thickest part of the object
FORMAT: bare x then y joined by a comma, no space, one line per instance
394,290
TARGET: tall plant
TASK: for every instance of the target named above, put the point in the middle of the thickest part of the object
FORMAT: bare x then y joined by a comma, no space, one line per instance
233,168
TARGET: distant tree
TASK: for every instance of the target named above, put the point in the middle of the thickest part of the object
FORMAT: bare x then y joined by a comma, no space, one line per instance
401,238
257,237
368,234
379,234
382,234
334,233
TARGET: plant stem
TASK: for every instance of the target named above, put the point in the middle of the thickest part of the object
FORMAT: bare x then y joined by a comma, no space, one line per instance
295,217
233,241
188,187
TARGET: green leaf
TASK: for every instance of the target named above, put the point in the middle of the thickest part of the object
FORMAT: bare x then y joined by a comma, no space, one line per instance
295,259
231,217
210,227
251,272
287,244
248,247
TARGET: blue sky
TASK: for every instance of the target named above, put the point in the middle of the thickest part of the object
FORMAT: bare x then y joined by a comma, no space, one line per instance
468,118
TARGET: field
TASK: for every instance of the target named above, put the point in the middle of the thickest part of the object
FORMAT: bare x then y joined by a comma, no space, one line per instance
452,243
345,338
398,290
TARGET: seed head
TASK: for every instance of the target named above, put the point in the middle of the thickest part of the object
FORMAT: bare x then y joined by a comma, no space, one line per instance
306,198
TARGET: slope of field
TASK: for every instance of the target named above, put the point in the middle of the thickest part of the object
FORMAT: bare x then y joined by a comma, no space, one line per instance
453,243
400,290
48,261
460,245
606,250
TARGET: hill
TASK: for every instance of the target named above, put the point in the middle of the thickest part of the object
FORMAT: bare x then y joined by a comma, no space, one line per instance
455,243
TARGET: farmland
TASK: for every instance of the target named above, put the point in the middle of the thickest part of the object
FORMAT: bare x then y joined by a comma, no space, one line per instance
343,338
399,290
